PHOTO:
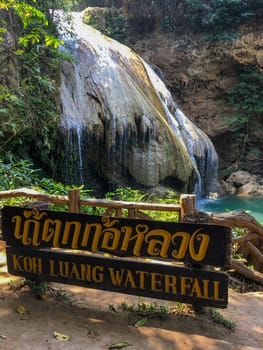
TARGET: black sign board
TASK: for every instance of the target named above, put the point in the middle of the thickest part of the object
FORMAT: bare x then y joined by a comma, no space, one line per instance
150,279
189,243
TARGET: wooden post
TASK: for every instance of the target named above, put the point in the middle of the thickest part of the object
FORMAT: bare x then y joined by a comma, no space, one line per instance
188,205
73,201
131,213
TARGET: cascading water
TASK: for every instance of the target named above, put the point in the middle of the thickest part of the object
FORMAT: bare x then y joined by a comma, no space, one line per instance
128,128
199,146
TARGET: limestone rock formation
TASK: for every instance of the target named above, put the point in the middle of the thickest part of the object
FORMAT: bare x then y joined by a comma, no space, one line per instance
122,123
200,73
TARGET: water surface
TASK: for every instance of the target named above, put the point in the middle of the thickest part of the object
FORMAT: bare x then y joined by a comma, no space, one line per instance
253,205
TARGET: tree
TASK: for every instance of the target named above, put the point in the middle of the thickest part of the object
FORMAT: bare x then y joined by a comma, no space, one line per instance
34,22
246,98
29,109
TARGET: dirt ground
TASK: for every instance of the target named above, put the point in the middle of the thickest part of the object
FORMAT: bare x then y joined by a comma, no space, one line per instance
92,319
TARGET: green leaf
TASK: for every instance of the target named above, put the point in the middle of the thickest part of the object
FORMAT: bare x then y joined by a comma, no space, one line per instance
120,345
142,322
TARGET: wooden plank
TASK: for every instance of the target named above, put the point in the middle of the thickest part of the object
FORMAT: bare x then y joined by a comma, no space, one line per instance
187,242
151,279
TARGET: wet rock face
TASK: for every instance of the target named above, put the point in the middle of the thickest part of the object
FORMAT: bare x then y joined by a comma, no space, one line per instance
123,122
200,73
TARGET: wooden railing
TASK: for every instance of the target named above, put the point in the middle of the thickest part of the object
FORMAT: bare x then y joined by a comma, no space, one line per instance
250,241
113,207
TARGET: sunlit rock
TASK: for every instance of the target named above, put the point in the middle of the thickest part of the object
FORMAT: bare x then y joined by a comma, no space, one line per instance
121,125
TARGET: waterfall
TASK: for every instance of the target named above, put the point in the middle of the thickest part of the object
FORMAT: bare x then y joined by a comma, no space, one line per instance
129,130
199,146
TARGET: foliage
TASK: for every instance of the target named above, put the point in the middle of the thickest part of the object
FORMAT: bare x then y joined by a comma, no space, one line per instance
109,21
39,289
237,232
34,23
21,173
52,187
217,19
167,10
29,109
220,18
126,194
219,319
82,4
171,197
17,173
11,104
132,195
246,99
154,310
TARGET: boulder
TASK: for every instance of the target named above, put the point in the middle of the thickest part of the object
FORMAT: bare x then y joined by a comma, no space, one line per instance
242,183
251,189
240,178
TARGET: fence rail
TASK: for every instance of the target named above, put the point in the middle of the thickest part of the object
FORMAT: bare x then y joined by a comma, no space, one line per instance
249,243
74,203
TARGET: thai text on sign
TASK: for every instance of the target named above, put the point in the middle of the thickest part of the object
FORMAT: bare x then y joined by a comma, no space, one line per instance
192,243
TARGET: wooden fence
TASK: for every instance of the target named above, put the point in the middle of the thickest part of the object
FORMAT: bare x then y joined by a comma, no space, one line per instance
250,243
74,203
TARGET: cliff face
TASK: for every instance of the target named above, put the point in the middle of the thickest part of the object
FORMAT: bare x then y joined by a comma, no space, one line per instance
199,74
126,126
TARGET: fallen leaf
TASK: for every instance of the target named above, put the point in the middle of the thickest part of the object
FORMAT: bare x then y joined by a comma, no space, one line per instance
113,308
120,345
44,296
91,334
61,337
142,322
22,310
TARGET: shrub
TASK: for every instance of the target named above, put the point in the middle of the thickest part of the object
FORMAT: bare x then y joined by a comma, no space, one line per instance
109,21
246,99
219,18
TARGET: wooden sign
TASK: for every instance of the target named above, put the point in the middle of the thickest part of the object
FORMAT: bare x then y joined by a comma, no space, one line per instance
151,279
43,245
189,243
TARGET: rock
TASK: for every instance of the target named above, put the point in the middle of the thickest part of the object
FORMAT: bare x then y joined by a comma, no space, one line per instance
200,75
116,107
242,183
240,178
162,192
251,189
227,188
